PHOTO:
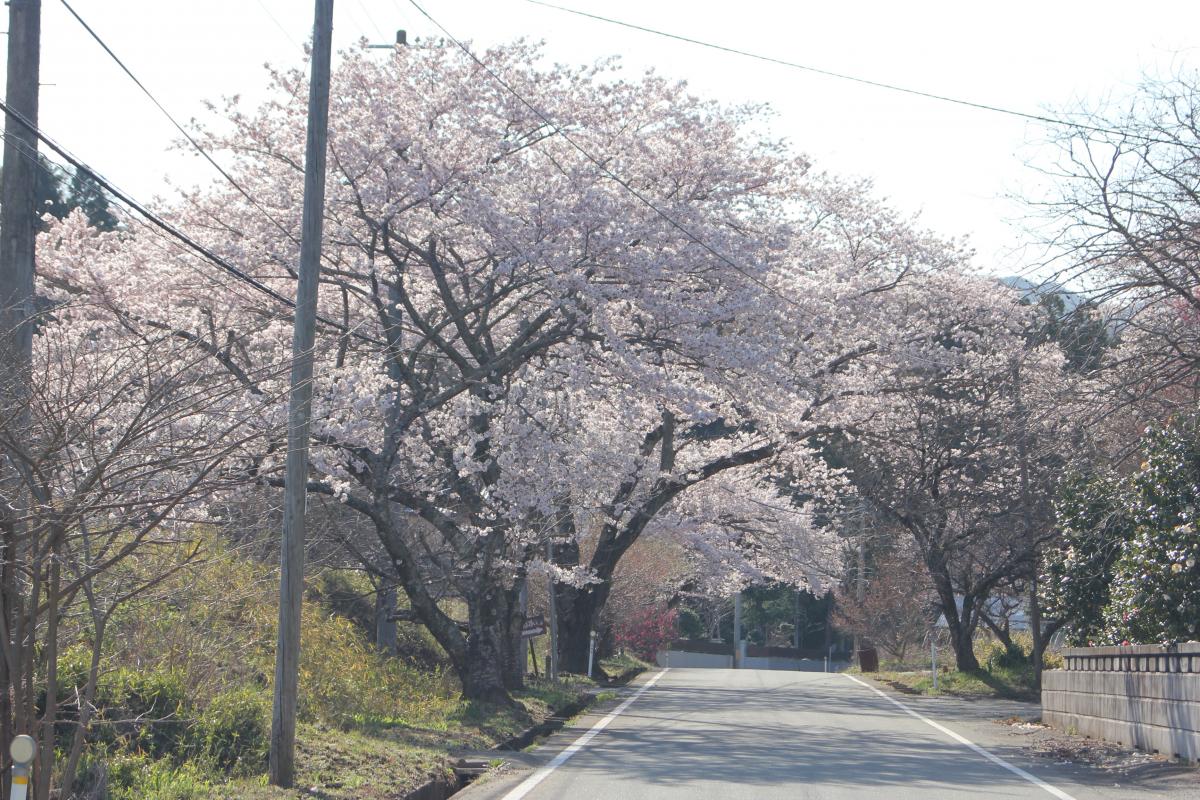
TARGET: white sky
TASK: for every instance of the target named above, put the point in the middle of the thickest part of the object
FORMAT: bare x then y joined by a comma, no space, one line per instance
955,166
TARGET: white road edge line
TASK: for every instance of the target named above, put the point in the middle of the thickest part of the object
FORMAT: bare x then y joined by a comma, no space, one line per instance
526,786
1036,781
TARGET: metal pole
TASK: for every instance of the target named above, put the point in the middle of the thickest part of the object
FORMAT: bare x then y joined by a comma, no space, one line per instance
291,577
737,631
860,592
591,651
523,602
933,659
553,667
796,633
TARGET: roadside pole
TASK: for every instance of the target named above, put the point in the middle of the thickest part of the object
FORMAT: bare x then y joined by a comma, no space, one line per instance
23,750
18,232
550,582
18,217
591,651
737,630
860,591
291,577
933,659
523,603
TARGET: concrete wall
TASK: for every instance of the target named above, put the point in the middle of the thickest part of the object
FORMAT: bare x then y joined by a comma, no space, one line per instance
793,664
678,658
1144,696
681,659
766,662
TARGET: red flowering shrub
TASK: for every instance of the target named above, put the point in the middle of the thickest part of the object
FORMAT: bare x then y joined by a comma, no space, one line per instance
645,630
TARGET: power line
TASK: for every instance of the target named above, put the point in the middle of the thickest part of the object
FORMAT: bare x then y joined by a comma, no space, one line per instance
370,19
278,24
191,140
166,227
600,165
853,78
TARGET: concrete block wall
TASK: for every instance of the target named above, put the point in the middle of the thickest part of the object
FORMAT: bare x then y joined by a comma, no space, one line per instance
1145,696
683,659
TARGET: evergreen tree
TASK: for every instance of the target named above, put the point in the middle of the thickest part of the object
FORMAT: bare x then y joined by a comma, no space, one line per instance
85,194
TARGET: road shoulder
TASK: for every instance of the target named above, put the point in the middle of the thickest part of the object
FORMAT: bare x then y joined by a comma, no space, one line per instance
516,766
1084,767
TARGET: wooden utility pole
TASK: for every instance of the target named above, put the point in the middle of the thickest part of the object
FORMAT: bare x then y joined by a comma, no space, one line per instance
291,577
18,228
18,217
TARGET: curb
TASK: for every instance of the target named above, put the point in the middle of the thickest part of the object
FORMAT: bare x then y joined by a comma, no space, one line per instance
441,787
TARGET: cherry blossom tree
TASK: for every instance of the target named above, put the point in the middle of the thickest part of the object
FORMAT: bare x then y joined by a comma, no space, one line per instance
967,445
744,410
475,263
520,341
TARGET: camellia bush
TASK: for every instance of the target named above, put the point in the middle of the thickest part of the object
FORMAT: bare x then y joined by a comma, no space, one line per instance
1129,568
646,631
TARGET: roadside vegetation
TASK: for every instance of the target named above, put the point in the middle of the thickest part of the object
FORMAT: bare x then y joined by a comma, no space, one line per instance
182,705
1004,672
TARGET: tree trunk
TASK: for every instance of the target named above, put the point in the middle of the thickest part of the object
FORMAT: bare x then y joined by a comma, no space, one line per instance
386,636
1002,632
962,639
575,610
962,629
488,648
961,625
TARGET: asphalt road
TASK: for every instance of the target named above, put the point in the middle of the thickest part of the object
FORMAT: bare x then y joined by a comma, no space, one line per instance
697,734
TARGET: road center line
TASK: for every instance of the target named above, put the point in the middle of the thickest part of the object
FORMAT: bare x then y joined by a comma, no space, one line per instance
1036,781
526,786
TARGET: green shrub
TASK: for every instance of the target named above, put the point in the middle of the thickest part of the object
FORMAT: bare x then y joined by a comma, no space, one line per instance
134,776
148,710
233,731
689,624
186,677
345,681
1130,567
348,594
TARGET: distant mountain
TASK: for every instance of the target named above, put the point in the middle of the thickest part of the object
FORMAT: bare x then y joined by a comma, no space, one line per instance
1027,288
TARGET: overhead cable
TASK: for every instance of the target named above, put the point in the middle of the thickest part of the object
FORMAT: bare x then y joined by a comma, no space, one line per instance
854,78
178,126
167,227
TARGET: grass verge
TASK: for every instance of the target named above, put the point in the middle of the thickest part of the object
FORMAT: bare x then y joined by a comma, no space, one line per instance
999,682
386,760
